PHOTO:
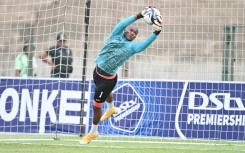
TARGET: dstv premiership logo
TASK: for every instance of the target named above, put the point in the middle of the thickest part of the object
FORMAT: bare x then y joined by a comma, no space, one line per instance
207,110
216,103
131,108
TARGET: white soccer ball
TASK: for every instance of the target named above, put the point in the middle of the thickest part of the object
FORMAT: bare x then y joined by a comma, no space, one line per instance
151,15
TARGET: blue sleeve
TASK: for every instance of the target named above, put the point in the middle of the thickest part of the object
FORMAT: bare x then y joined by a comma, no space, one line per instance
142,45
120,27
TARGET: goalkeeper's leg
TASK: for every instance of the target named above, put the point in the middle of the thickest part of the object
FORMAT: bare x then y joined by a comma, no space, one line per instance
103,88
97,108
110,108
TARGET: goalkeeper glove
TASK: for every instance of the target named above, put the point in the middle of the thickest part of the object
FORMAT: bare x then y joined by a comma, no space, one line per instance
143,12
158,25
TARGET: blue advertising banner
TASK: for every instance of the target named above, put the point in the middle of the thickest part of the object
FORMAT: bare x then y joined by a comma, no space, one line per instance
199,110
40,106
212,110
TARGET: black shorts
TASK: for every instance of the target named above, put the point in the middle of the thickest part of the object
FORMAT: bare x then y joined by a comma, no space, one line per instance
103,86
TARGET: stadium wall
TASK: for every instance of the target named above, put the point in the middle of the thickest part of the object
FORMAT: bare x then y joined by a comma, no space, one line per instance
190,48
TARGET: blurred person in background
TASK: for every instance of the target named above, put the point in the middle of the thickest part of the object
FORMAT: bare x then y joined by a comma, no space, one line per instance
60,58
22,63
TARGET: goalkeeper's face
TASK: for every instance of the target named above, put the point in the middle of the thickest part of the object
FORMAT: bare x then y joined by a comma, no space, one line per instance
131,32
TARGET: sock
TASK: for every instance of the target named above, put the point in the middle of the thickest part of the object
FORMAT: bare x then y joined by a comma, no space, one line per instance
93,129
110,105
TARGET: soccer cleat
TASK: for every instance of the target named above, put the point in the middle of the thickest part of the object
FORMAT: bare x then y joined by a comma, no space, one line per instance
89,137
109,112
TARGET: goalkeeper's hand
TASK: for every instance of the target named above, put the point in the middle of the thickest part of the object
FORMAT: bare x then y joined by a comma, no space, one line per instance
143,12
158,24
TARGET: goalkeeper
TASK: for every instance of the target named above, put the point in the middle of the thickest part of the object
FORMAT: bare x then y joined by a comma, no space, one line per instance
116,50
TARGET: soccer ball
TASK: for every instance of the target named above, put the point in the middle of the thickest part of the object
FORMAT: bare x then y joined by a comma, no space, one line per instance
151,15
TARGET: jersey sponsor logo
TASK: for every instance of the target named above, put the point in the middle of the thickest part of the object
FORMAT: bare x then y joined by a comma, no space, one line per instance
131,108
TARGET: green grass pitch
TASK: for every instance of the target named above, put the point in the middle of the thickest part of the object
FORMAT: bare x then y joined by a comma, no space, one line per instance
70,144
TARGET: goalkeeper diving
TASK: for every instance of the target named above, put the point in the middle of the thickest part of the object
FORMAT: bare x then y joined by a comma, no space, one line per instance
118,47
